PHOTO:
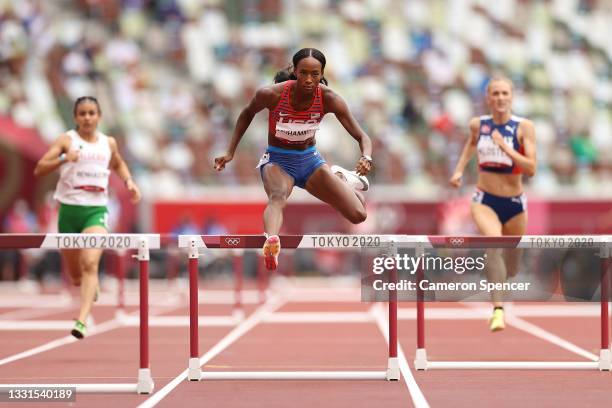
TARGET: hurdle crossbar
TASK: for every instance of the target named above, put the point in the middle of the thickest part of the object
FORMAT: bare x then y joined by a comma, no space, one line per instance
194,242
140,242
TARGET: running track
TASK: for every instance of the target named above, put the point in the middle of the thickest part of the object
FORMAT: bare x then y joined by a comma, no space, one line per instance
313,328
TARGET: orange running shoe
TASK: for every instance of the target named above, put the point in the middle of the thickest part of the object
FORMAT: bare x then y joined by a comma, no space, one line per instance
271,249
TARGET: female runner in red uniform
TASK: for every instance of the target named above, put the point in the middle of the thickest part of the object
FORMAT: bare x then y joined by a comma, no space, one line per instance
296,109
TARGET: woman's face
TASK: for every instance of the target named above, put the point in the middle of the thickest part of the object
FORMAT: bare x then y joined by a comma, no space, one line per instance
499,96
87,116
308,72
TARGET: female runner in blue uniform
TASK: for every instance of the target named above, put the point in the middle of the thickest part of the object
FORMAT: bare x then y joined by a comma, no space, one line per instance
506,148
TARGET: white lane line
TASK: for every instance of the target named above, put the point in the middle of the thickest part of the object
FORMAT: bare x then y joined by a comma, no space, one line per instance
573,310
29,313
94,330
36,301
539,332
443,313
319,317
254,319
13,325
418,398
101,328
183,321
474,312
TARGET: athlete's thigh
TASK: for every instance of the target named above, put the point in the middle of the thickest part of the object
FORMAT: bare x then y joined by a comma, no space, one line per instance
329,188
486,220
276,180
72,258
516,225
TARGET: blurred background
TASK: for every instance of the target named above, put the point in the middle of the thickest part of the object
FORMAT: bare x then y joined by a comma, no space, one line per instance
173,75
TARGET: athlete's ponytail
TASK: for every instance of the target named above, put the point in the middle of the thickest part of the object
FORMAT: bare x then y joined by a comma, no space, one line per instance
283,75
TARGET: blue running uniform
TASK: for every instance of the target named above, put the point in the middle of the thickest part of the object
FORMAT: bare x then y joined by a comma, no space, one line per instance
504,207
299,164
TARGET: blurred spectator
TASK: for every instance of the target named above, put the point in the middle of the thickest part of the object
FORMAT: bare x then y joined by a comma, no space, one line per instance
212,226
19,220
172,75
186,226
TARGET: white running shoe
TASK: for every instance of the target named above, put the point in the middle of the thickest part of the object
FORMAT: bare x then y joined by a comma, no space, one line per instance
352,178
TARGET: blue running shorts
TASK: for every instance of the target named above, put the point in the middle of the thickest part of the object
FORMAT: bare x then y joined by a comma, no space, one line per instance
504,207
299,164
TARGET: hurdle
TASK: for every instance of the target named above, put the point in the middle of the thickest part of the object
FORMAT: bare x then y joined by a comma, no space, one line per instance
141,242
342,242
600,242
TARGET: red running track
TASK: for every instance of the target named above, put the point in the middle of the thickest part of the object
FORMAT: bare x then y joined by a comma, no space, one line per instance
112,356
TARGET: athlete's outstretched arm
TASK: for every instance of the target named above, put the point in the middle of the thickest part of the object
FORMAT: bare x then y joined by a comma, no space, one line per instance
466,154
53,159
527,162
263,98
120,167
335,104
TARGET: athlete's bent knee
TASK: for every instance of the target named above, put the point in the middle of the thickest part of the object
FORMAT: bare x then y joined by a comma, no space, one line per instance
278,198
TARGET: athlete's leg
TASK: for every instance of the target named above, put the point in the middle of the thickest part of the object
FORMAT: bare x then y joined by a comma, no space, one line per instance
489,224
360,196
516,225
69,222
89,262
486,220
340,173
328,188
71,258
278,186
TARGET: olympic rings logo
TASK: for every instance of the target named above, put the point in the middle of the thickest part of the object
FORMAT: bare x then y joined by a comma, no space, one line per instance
456,241
232,241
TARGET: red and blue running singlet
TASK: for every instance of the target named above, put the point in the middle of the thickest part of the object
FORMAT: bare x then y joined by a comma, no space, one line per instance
291,127
490,156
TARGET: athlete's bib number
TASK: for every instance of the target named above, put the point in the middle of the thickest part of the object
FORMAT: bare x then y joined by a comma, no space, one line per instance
489,152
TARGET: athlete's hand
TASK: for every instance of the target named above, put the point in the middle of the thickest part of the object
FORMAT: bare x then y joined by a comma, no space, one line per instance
133,188
221,161
498,139
73,155
363,166
455,180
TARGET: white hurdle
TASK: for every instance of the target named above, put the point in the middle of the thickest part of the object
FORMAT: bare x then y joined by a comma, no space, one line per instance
141,242
194,242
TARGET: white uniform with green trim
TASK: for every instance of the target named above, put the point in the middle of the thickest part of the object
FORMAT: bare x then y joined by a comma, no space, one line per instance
85,182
